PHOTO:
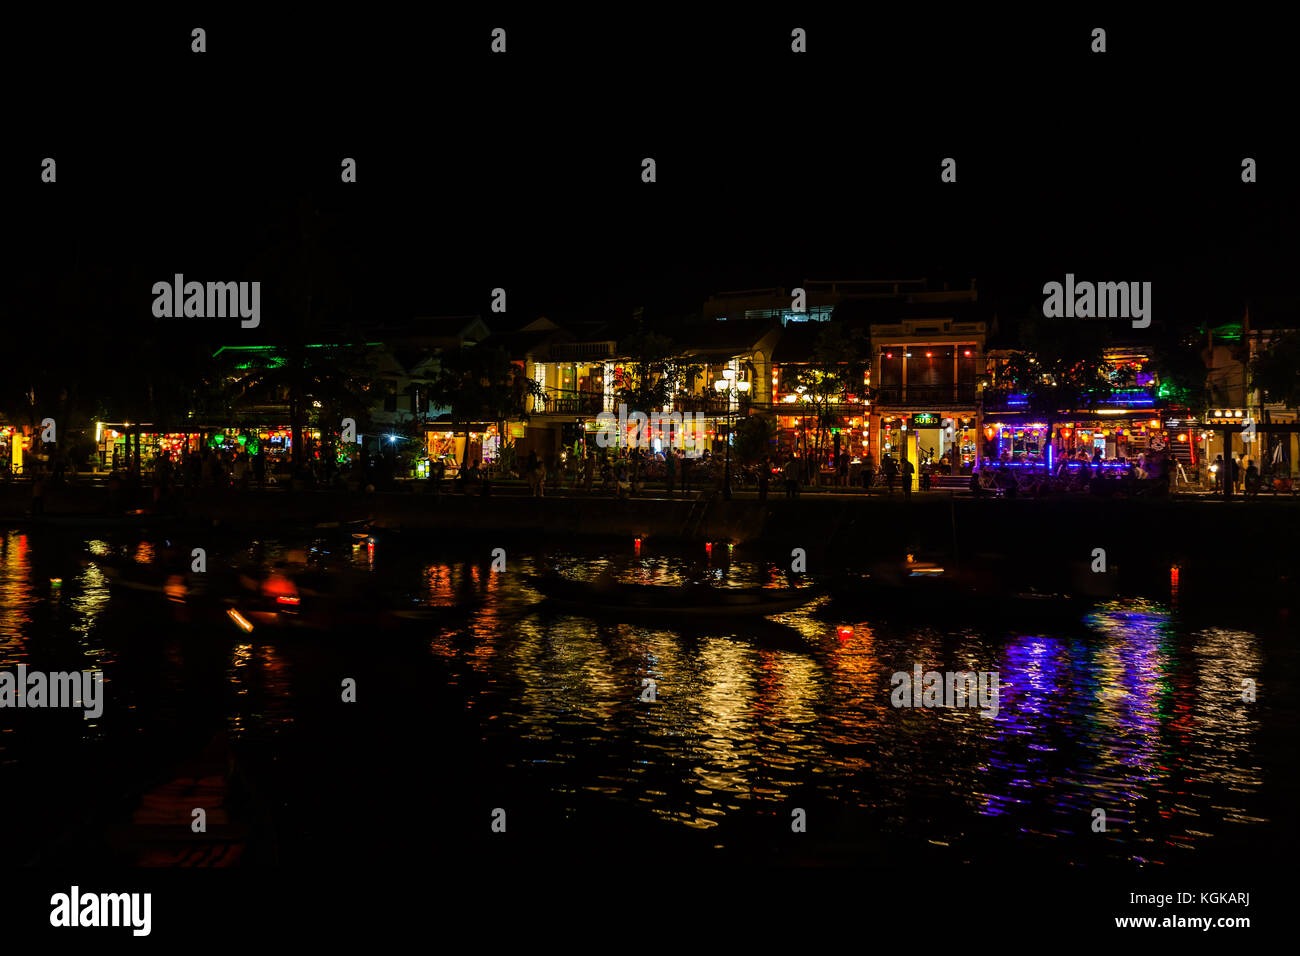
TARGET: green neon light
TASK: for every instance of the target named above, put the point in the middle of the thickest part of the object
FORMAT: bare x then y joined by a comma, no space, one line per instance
274,348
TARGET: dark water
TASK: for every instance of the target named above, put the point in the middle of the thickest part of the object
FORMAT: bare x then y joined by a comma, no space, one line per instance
1134,707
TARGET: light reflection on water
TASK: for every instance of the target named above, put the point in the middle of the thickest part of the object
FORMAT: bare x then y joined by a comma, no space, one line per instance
1129,710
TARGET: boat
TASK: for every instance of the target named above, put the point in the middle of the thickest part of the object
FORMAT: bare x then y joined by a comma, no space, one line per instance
606,596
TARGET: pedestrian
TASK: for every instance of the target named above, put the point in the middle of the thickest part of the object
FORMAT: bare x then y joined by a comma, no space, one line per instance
588,471
890,468
686,474
842,469
670,470
908,471
790,473
764,475
868,472
259,469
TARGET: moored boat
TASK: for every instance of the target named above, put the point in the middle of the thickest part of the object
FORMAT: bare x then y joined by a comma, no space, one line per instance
654,599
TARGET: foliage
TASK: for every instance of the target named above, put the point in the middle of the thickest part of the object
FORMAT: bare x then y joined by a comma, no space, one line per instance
656,371
1275,370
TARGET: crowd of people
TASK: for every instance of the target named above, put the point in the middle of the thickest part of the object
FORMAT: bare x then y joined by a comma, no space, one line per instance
625,473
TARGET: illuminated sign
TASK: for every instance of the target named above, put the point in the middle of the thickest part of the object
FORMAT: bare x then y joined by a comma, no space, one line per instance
925,420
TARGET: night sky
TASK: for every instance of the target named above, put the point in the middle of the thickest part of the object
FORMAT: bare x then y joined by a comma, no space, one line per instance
523,171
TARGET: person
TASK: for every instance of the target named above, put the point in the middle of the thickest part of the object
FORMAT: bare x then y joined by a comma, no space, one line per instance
1252,479
1235,473
764,475
842,469
925,475
259,469
686,475
1096,457
1219,472
975,488
908,471
868,472
670,470
791,471
890,468
588,471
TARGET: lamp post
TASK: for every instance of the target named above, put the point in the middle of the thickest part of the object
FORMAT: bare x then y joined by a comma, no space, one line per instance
727,386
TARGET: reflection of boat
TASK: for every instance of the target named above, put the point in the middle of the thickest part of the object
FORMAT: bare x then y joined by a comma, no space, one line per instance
254,598
607,596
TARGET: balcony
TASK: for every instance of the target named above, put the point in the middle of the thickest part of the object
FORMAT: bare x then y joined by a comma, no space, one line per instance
575,403
704,404
1011,400
918,395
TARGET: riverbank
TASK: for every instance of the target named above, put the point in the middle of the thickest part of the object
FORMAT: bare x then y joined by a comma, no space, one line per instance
831,529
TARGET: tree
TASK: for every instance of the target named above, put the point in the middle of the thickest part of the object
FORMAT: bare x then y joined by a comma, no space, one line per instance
836,371
654,372
1061,366
1275,370
314,254
754,436
321,383
481,383
1178,362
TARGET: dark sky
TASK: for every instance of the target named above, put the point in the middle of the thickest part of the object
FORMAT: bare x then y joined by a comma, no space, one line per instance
523,171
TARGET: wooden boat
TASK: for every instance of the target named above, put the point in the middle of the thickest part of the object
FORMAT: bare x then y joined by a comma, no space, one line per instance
607,596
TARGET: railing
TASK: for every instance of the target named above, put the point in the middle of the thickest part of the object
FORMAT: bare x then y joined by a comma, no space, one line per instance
925,394
704,404
1010,400
576,403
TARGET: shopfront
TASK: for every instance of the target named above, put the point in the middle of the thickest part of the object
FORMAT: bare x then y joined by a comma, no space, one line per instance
457,445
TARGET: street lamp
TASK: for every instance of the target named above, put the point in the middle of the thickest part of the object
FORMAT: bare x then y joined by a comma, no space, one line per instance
727,385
